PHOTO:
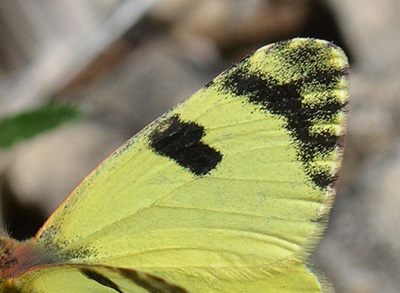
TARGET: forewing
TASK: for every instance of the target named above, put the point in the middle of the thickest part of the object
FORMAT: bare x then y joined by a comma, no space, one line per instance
232,184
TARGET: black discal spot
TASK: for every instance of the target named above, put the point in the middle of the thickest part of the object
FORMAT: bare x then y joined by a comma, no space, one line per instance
181,141
284,99
99,278
151,283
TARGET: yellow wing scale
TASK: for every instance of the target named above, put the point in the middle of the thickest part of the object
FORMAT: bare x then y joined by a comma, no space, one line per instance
226,191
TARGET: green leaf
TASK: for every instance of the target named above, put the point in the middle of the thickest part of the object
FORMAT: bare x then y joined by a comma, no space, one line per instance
28,124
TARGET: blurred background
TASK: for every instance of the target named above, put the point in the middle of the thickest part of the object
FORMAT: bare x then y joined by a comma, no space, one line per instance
122,63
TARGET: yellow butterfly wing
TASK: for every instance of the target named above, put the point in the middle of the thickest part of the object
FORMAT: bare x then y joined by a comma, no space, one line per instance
97,278
229,190
87,278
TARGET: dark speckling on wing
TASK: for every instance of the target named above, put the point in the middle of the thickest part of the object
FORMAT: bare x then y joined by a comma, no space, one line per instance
286,99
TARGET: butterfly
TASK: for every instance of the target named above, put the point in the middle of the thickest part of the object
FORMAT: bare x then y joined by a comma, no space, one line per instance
227,192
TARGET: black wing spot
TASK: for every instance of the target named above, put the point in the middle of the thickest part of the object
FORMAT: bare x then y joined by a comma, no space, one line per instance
181,141
99,278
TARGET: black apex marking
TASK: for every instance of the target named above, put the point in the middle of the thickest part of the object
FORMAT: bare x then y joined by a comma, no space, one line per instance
99,278
284,99
181,141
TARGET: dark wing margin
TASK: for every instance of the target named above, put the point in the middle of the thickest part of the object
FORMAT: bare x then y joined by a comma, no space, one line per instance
311,67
